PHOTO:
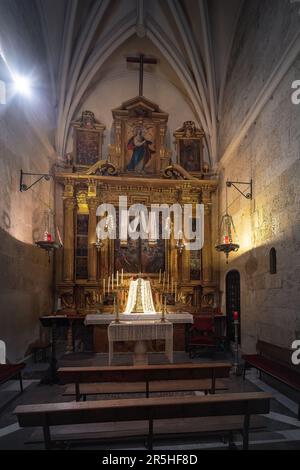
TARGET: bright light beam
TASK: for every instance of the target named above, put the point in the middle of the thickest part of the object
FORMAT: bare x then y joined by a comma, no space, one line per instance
22,85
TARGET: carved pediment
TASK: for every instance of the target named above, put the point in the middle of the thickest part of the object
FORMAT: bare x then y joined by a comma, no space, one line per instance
139,107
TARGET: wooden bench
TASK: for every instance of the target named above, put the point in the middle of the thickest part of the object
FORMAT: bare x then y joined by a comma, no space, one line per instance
274,361
142,376
163,386
11,371
145,409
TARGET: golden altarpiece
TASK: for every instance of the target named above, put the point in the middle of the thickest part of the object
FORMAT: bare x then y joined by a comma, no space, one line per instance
88,274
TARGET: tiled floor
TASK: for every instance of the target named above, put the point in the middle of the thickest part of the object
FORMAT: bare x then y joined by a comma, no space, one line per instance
281,427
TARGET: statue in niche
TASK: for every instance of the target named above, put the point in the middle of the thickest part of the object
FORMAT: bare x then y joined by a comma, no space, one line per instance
141,151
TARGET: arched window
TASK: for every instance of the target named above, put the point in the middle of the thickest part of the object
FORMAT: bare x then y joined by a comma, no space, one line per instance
273,261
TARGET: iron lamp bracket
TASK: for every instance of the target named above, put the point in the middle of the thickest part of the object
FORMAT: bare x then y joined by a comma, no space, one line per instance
247,195
41,176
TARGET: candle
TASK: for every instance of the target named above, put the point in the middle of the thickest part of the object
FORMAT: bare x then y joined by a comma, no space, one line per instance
235,316
175,291
117,279
168,284
226,239
108,286
122,278
112,281
104,286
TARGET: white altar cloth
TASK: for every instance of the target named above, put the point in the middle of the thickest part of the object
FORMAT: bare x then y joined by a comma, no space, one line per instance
106,318
141,331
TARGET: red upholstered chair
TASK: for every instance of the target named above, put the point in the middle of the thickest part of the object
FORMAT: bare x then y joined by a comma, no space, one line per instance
202,336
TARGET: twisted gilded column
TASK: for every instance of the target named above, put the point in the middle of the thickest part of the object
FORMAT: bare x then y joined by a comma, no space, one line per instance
92,252
68,271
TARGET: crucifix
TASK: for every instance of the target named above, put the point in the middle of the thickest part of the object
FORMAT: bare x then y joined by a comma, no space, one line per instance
141,60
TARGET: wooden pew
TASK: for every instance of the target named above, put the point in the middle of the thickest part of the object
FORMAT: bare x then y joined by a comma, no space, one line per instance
145,409
274,361
11,371
160,386
140,375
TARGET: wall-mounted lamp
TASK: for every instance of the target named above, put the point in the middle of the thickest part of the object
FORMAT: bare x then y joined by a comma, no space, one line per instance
234,184
24,187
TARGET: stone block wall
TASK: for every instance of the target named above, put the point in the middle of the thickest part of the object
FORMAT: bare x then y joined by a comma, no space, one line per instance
270,155
26,128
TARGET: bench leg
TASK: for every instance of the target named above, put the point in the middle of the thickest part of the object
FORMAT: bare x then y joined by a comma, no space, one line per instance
244,371
47,435
246,432
77,391
150,434
21,382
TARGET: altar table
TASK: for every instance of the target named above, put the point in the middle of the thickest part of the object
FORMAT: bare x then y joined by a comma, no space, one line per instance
141,331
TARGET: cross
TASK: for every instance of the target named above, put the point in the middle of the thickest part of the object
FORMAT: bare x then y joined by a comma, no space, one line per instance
141,60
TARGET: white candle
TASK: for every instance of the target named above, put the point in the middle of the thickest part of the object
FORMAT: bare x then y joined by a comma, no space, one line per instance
112,281
122,278
108,287
175,292
117,279
104,286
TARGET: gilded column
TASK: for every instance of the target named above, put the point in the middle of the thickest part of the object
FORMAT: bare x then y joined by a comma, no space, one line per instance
207,247
92,252
69,204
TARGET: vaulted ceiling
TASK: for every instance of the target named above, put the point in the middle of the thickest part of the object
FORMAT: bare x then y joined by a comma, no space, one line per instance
193,36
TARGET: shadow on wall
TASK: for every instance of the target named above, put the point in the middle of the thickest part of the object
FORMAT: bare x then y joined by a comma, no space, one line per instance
25,294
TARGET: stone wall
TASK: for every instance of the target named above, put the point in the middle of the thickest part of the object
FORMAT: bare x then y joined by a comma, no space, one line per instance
269,154
26,128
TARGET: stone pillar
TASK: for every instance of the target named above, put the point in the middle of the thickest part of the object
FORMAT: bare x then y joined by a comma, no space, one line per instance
68,272
207,247
92,252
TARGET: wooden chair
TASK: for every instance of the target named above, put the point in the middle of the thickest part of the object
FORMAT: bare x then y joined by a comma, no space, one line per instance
202,336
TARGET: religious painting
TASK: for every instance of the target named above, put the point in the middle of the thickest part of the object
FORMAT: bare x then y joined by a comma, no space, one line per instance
88,136
189,145
127,257
195,260
140,255
140,148
82,246
153,256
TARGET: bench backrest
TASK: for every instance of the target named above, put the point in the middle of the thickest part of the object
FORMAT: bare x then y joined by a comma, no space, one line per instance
276,353
144,373
143,409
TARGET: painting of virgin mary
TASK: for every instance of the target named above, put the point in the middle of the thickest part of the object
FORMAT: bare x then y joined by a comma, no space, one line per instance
141,151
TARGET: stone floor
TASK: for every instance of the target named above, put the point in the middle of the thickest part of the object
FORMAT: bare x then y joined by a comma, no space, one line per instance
281,430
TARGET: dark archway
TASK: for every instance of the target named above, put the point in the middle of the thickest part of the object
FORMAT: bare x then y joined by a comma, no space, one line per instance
233,303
